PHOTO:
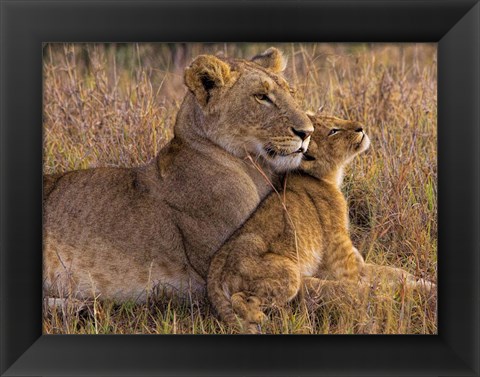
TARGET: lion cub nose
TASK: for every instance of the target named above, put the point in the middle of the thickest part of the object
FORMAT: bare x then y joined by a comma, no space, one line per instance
301,134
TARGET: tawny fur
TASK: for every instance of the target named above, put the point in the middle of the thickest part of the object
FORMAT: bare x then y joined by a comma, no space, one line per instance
123,234
298,237
271,58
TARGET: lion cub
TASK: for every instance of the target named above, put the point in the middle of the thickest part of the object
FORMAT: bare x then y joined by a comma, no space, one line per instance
289,239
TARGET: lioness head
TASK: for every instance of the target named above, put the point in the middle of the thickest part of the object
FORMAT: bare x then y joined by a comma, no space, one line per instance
246,107
334,143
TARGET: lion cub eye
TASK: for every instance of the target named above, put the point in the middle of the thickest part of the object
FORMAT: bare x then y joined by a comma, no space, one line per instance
333,131
263,98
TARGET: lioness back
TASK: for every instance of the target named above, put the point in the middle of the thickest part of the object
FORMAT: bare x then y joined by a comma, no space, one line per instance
127,233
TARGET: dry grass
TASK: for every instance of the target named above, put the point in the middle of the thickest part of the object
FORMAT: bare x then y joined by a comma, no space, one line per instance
115,105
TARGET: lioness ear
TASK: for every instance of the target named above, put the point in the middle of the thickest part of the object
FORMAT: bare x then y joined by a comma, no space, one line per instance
271,59
205,74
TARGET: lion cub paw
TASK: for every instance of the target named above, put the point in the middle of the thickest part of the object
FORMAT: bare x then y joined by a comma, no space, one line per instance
248,309
255,313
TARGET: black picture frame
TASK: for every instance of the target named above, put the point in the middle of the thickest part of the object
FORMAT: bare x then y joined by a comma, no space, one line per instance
25,25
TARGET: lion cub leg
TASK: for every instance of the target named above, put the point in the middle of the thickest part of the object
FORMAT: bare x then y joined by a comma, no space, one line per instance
396,278
339,276
280,279
273,280
342,261
342,292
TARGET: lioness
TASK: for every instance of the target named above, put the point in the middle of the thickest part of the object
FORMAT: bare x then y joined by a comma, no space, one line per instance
121,233
297,237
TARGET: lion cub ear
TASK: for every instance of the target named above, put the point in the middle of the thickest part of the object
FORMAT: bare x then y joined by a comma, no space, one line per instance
271,59
311,115
205,74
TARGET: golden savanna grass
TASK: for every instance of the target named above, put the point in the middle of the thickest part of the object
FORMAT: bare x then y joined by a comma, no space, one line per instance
115,105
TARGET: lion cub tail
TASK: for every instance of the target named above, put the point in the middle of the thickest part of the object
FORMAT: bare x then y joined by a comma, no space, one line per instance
217,290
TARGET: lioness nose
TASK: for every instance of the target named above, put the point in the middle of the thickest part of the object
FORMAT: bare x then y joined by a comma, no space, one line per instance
301,134
360,129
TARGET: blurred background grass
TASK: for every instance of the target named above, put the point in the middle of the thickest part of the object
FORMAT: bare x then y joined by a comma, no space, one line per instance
115,105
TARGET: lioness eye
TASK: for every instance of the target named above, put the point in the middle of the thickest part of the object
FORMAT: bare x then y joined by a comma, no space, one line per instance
263,98
333,131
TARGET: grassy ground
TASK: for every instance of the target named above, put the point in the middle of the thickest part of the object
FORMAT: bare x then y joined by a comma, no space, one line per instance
115,105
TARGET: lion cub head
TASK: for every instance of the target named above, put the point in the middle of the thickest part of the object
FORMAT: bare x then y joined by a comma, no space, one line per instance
246,108
335,143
